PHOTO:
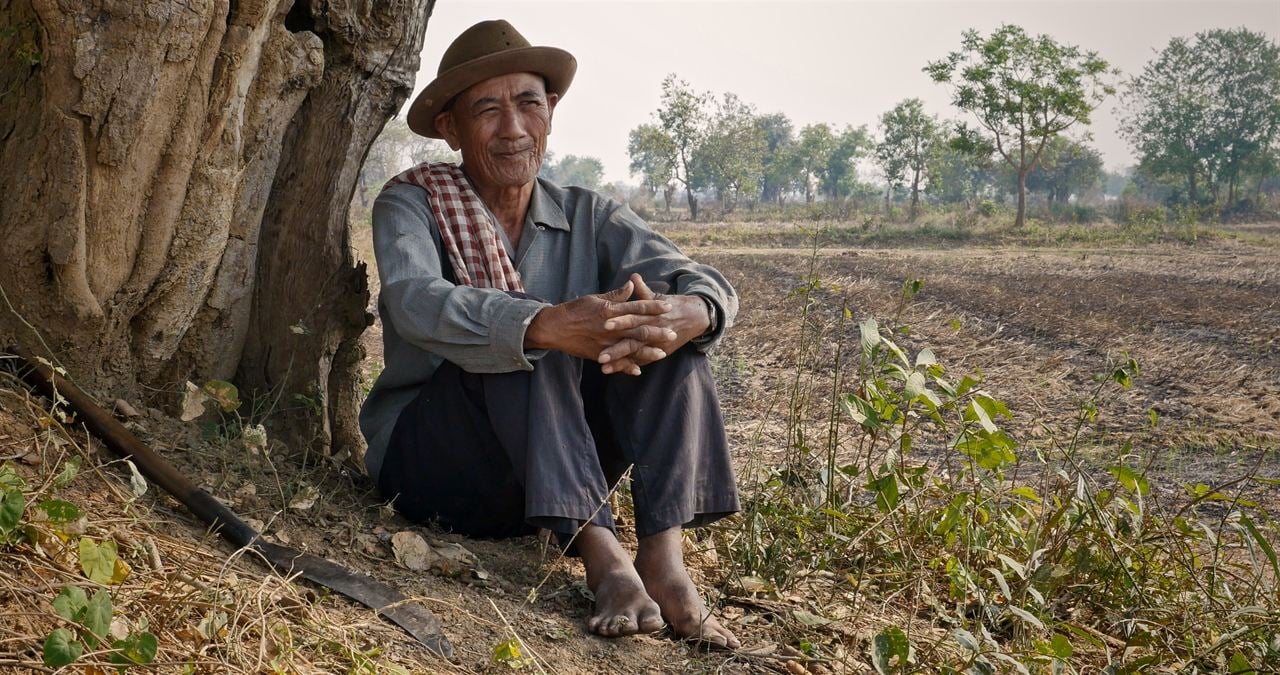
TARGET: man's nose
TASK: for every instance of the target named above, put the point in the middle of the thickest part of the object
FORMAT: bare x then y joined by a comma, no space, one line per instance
512,126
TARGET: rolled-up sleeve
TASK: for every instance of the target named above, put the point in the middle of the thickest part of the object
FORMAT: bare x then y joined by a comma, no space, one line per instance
481,330
628,245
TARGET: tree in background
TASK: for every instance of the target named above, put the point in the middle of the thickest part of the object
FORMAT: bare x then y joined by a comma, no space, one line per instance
653,155
813,152
730,159
1207,110
839,178
1023,90
587,172
682,116
907,135
960,165
780,159
394,150
1067,167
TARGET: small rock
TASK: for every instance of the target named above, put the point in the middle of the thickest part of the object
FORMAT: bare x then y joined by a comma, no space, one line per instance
124,409
412,551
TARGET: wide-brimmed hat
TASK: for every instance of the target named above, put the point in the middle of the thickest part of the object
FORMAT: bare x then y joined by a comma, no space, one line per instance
487,49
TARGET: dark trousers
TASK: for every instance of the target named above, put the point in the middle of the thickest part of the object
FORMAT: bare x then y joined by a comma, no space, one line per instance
497,455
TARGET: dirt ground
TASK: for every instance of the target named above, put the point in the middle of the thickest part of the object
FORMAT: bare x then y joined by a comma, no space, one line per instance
1202,320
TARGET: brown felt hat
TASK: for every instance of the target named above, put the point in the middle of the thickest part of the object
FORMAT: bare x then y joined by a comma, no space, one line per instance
487,49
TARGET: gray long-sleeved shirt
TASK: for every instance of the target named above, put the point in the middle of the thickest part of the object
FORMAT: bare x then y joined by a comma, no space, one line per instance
575,242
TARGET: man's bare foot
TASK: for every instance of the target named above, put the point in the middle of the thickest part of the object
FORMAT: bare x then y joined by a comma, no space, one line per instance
660,563
622,606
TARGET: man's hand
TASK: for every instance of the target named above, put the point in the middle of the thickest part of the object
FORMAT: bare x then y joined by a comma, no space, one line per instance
649,335
587,326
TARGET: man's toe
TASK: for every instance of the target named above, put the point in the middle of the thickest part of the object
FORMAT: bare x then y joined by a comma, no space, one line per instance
651,620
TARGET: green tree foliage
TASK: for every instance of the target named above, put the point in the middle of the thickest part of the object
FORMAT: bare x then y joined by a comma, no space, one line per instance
961,165
653,156
1023,90
587,172
781,160
683,117
730,160
1207,111
813,152
1067,167
396,149
839,179
907,135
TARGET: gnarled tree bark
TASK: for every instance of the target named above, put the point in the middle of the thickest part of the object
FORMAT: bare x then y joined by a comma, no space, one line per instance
174,181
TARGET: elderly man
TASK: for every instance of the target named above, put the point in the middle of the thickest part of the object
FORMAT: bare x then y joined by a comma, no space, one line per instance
541,344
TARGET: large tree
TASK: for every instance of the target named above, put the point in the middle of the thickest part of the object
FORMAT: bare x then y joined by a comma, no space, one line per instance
683,117
1067,167
653,155
780,160
1023,90
906,136
840,175
730,158
813,152
176,183
1207,110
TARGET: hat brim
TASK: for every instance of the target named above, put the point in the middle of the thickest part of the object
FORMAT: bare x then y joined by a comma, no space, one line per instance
557,65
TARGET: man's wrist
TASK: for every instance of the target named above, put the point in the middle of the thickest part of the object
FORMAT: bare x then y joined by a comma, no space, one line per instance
713,315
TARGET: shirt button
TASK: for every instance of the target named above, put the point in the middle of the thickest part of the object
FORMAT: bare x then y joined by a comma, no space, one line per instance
542,227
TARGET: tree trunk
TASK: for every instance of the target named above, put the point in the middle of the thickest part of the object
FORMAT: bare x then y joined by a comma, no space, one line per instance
1021,219
1192,192
177,181
915,194
667,192
693,203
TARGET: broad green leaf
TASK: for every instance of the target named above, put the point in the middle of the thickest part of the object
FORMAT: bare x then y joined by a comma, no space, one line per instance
1061,646
70,469
886,489
1239,665
926,358
59,511
137,649
966,639
98,561
915,385
9,479
1026,616
869,331
889,645
981,417
71,603
1132,480
225,394
97,618
61,648
509,653
12,506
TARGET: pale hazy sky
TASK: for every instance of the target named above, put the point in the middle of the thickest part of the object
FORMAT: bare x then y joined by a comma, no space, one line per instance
835,62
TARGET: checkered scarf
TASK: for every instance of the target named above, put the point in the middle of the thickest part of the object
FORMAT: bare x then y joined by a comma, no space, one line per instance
470,236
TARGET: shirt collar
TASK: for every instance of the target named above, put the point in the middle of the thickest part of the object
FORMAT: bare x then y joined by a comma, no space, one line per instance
543,210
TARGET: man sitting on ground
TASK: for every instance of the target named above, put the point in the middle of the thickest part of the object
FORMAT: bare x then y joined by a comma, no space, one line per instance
542,342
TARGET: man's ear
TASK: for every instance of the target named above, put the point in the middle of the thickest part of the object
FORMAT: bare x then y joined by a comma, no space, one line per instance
447,129
552,99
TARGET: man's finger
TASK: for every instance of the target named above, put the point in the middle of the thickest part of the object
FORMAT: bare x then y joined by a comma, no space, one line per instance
650,335
622,293
631,321
642,289
619,350
625,366
646,307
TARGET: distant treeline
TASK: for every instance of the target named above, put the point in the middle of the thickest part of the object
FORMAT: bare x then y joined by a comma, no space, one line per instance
1203,118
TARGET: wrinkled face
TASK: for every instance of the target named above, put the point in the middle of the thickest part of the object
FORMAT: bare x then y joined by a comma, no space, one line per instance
501,126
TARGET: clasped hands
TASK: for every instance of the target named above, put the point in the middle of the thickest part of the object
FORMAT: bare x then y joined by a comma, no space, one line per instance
623,329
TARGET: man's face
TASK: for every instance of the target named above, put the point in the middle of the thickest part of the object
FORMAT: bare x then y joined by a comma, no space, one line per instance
501,126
